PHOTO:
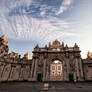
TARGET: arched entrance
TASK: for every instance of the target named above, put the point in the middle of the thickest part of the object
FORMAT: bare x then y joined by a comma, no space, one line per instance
56,71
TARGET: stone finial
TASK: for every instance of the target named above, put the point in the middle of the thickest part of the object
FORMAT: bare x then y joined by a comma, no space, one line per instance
4,38
56,44
75,45
14,55
89,54
45,46
27,56
37,46
62,44
66,46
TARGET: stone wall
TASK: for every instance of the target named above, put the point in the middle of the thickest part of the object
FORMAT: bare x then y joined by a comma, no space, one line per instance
12,66
87,69
15,69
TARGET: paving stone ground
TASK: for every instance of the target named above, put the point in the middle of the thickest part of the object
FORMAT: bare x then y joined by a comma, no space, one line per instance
38,87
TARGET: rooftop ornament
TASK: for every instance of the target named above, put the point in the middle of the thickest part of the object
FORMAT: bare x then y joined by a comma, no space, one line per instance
62,44
27,56
75,45
89,54
36,47
56,44
66,46
4,39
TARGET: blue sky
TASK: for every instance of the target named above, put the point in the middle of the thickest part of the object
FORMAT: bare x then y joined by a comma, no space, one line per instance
28,22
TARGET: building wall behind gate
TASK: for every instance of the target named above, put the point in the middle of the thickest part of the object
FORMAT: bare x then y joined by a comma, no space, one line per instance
87,69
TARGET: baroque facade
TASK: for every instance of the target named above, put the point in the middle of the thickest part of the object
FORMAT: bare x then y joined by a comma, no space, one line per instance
54,62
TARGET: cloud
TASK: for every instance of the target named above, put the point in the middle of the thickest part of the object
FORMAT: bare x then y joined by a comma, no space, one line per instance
64,6
26,27
40,8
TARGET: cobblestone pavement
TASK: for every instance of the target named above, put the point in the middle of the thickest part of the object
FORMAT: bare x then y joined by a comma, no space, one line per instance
38,87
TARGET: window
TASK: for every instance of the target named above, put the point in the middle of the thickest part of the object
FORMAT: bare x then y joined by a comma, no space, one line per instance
53,67
59,67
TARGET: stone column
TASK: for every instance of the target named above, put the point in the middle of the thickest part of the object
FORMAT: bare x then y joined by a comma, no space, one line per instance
68,68
64,71
35,69
77,69
44,70
32,68
47,73
75,75
81,69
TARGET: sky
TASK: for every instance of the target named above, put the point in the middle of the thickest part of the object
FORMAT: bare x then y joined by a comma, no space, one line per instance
29,22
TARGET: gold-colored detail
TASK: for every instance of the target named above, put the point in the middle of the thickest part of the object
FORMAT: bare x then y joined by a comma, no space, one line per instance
14,55
27,56
56,44
4,38
89,54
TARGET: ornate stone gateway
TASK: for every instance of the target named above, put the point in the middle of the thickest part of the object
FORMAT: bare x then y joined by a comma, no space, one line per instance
56,61
56,71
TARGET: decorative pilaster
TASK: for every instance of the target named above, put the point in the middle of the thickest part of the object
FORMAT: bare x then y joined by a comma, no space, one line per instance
77,69
64,71
47,73
32,69
68,68
44,70
81,69
35,69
